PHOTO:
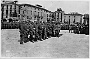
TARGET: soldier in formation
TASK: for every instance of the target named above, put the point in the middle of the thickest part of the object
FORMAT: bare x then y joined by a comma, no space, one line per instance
36,31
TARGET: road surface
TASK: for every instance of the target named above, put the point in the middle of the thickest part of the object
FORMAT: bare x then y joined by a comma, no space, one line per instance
68,45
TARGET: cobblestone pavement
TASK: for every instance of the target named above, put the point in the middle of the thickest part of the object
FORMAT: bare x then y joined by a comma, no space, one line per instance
69,45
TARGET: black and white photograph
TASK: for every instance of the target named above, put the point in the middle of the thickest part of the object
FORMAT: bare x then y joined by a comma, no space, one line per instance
44,29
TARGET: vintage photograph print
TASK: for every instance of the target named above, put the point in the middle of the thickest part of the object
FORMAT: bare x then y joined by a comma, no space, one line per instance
44,29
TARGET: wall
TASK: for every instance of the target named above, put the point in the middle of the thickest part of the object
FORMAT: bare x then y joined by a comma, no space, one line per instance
78,18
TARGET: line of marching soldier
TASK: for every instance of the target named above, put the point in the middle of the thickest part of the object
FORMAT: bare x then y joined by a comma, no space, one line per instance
34,31
79,29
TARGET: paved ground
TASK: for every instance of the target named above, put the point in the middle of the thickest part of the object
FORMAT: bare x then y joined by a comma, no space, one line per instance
68,45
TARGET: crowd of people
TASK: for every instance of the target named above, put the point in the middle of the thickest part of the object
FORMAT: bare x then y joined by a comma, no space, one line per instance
79,29
37,31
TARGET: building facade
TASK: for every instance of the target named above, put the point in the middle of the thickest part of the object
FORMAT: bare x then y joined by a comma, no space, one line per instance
9,10
67,18
59,15
24,12
73,18
33,13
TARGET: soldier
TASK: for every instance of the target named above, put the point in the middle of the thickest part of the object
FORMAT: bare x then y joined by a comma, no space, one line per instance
53,28
40,31
77,29
48,31
35,32
44,33
69,28
23,32
45,30
56,31
30,33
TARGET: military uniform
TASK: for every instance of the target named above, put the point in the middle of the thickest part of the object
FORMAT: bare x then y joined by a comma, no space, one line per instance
40,31
23,26
44,33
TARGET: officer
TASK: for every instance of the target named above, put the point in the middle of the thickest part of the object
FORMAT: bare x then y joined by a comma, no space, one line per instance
21,31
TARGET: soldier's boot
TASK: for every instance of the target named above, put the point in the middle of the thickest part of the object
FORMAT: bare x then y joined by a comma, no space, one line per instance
46,37
32,40
69,31
40,38
58,35
21,40
35,39
25,39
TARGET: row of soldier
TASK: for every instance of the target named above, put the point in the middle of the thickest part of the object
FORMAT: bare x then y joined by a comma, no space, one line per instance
34,31
79,28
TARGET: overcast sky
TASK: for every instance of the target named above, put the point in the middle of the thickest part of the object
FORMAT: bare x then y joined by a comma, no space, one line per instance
67,6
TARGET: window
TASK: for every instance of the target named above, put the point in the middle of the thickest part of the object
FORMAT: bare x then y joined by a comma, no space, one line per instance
24,5
41,13
19,9
69,17
27,17
47,19
7,12
38,13
23,12
38,8
31,12
74,17
7,7
58,14
47,15
35,8
10,10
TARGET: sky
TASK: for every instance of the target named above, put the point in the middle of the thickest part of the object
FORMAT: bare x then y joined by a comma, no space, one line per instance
67,6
